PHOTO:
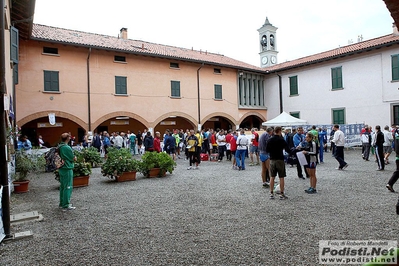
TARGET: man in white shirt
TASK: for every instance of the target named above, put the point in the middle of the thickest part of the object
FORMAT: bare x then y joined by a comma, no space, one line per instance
221,141
339,141
366,142
118,141
387,146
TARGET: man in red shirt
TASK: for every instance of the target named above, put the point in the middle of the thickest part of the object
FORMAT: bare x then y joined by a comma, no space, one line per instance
254,147
229,136
157,142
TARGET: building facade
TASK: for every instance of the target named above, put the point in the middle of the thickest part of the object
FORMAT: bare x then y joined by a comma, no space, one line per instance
15,25
91,82
76,81
353,84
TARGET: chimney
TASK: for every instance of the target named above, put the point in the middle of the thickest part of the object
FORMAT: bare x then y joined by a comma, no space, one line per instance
123,34
395,29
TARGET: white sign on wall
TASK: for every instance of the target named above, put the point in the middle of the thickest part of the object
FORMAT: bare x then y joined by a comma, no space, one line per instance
2,235
51,118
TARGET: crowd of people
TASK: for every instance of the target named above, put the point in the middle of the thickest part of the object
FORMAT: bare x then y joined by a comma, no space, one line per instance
273,149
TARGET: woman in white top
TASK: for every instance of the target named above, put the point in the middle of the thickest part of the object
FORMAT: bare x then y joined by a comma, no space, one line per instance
242,146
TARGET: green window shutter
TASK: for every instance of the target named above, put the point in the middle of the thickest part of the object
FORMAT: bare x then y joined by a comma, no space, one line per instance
333,78
175,88
339,77
396,114
240,91
336,78
51,81
14,45
294,85
395,67
15,74
339,116
249,99
55,81
218,92
120,85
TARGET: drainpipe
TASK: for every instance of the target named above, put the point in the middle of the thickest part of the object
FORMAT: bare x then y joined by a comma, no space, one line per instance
280,91
88,88
199,101
3,162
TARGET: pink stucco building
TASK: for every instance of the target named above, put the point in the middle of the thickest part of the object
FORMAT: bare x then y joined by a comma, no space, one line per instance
94,82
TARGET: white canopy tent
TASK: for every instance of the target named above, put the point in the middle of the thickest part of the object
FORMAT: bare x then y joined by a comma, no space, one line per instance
285,119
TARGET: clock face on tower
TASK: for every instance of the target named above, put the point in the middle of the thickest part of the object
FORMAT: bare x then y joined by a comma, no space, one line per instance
273,59
264,60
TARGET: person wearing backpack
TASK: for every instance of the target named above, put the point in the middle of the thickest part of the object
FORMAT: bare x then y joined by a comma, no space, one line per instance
66,172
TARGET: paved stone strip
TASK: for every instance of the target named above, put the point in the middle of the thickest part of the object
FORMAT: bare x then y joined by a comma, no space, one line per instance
211,216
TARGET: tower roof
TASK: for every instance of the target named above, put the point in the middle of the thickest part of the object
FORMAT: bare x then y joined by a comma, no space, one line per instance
267,22
267,25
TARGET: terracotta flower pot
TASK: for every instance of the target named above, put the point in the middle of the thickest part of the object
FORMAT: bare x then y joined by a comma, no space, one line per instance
155,172
21,186
126,176
81,181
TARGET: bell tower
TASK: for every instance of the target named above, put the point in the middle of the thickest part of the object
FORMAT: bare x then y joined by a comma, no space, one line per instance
267,44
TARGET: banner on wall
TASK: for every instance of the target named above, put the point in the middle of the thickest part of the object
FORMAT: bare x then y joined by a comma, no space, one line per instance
51,118
351,131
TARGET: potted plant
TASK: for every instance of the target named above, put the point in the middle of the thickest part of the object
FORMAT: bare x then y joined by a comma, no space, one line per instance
120,165
92,156
81,170
25,164
156,164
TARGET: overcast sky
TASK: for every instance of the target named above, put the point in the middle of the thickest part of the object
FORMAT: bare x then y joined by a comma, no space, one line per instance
227,27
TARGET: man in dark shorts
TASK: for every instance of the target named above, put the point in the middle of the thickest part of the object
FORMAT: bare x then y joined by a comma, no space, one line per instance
275,147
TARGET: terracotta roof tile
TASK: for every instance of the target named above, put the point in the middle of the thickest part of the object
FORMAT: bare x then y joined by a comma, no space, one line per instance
351,49
79,38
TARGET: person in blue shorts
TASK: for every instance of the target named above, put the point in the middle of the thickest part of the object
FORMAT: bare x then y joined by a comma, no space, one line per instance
264,156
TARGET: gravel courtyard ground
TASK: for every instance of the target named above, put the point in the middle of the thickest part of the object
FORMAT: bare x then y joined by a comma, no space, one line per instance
211,216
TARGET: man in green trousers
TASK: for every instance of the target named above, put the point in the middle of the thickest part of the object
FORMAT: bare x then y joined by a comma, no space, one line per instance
66,172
